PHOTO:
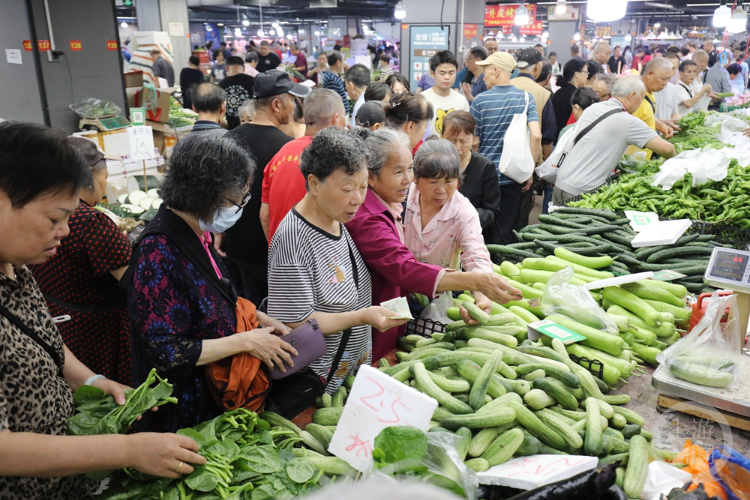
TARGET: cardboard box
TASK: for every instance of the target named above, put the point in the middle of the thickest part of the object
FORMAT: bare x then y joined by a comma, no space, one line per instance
157,110
134,79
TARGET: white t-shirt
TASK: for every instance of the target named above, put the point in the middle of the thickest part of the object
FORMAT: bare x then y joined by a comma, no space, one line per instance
684,92
703,102
442,106
666,102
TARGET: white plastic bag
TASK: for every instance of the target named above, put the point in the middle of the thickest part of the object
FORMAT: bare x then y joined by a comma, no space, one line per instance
438,308
516,161
710,354
547,171
575,302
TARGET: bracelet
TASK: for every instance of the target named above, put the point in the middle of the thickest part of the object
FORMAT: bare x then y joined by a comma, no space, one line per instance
93,379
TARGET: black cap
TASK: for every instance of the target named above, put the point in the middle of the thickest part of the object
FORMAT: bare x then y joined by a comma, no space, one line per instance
275,82
370,113
529,57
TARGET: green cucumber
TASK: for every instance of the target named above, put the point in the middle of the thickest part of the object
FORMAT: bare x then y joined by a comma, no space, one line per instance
509,269
653,293
321,434
634,304
496,418
503,447
555,422
537,399
663,330
477,464
327,416
581,260
597,339
672,253
593,443
637,470
700,374
534,276
562,396
277,420
312,442
534,375
595,212
531,423
449,385
566,378
463,446
681,314
470,370
475,312
555,264
630,430
482,382
530,446
507,340
631,416
421,375
678,291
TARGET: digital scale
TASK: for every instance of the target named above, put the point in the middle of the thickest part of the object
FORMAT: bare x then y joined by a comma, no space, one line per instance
728,269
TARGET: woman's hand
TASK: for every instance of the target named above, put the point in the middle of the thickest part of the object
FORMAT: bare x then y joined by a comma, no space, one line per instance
267,321
268,348
498,290
482,302
113,389
380,318
746,132
164,455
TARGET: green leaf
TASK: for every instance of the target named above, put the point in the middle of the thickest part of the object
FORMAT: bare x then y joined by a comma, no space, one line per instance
265,492
194,435
202,479
262,459
401,446
88,394
301,470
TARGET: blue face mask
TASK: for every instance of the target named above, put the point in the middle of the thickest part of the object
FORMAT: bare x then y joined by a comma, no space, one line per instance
224,218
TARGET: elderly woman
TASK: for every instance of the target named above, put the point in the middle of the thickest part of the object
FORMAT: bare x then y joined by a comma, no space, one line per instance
315,271
441,225
81,279
40,184
180,317
378,232
410,114
479,182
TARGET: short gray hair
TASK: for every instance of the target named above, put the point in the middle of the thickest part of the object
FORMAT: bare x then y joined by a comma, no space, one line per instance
600,46
627,85
320,106
657,63
609,81
333,149
437,159
380,145
700,53
248,108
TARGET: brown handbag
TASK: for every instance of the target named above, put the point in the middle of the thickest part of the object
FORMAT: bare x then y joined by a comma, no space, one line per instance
240,381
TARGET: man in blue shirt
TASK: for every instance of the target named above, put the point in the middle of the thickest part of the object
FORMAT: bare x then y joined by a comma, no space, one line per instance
493,111
332,79
461,74
474,80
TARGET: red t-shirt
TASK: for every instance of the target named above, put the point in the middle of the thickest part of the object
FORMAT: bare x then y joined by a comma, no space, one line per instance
572,119
282,195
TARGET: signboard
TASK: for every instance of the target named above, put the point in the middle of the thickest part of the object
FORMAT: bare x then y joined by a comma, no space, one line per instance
505,14
570,14
76,46
639,220
376,402
661,233
27,45
137,117
602,31
426,41
111,44
534,29
141,143
553,331
470,30
43,45
176,29
13,56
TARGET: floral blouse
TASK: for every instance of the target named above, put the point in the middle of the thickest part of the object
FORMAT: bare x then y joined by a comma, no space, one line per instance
172,310
452,237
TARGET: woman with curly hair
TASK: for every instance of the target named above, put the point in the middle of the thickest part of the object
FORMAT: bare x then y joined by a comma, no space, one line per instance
181,306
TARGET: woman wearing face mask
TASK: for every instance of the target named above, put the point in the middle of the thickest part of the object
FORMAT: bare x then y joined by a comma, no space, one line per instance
80,280
378,232
180,320
441,225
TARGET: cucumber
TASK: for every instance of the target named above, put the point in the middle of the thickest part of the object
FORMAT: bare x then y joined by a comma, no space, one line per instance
593,443
663,330
543,352
453,313
647,337
499,338
496,418
549,450
470,370
611,459
456,325
482,382
500,402
510,252
634,304
482,440
653,293
537,399
441,413
681,314
525,315
637,470
327,416
327,400
700,374
338,397
520,387
320,433
556,264
534,375
606,214
477,464
277,420
449,385
566,378
612,432
311,442
616,399
463,446
534,276
530,446
531,423
678,291
597,339
558,392
620,475
528,291
631,416
503,447
646,353
581,260
555,422
509,269
671,253
421,375
475,312
631,430
424,343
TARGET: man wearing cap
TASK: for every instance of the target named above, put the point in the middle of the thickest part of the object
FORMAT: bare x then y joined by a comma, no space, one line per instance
371,115
245,243
283,183
161,68
494,111
530,64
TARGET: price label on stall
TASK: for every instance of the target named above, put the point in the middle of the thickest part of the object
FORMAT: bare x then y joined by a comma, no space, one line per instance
665,232
43,45
27,45
76,45
141,143
111,44
639,220
375,402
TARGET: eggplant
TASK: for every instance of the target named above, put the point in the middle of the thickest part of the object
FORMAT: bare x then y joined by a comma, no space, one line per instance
590,485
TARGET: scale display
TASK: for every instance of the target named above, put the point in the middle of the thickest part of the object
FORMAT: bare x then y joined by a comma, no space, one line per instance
729,269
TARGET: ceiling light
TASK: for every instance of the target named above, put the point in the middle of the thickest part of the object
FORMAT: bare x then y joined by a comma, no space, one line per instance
722,15
398,11
275,24
561,7
317,33
657,25
523,39
123,24
738,23
545,34
628,37
522,16
577,37
301,32
260,33
271,32
289,37
607,10
245,20
237,32
220,24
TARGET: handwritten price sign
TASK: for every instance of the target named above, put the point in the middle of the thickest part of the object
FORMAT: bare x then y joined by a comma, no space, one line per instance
376,402
141,143
532,472
111,44
76,45
43,45
27,45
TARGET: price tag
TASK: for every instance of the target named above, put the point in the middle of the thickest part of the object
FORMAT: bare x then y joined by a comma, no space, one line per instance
667,275
43,45
661,233
137,117
639,220
527,473
27,45
554,331
111,44
376,402
141,143
75,45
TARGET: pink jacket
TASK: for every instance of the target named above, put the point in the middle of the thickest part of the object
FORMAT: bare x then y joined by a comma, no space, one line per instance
393,268
454,235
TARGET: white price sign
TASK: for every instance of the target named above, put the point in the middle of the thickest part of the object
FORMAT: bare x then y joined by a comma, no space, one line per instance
665,232
141,143
376,401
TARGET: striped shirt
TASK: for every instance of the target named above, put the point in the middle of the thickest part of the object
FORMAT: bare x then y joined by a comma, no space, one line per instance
493,111
334,82
310,270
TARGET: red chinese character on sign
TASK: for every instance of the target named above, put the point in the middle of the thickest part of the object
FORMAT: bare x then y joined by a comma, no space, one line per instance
363,447
382,402
510,13
27,45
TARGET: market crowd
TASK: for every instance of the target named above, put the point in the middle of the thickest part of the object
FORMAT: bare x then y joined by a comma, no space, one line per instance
305,211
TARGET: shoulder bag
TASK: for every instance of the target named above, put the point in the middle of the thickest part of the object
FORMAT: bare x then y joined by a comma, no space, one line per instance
516,161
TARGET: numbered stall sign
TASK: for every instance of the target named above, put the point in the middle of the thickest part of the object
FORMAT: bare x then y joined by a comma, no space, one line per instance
111,44
76,46
27,45
43,45
141,143
376,402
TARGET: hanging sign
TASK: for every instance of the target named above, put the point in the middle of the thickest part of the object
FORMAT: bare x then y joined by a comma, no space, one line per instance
75,45
111,44
43,45
533,29
470,30
426,41
27,45
505,14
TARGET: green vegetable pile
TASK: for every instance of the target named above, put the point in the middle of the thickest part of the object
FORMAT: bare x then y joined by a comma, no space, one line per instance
179,116
247,458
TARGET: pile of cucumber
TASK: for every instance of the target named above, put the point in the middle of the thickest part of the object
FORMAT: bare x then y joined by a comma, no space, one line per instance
601,233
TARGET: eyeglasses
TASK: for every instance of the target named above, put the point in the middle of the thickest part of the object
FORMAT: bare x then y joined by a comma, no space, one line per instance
245,201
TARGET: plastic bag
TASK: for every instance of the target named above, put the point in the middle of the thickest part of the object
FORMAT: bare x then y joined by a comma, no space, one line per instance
710,354
150,97
516,162
703,165
438,308
95,108
733,472
731,133
575,302
696,459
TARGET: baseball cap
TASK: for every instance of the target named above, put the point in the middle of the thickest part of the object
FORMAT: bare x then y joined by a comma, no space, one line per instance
370,113
529,57
275,82
503,60
90,150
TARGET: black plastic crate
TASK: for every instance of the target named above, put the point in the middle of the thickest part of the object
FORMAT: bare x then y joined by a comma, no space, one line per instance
595,366
424,327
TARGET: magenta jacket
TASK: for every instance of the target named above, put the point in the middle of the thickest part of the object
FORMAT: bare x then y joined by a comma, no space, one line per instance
393,268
